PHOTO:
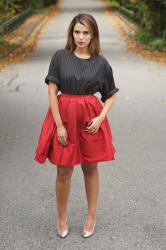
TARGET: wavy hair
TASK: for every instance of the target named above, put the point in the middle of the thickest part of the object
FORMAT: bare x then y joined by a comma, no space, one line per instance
88,20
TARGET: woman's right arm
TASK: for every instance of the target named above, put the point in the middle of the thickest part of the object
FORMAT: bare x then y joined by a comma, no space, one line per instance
53,102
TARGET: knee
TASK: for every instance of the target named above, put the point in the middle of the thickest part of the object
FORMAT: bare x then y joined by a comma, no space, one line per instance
64,174
89,170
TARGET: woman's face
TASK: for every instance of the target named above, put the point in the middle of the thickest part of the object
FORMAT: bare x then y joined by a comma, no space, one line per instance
82,35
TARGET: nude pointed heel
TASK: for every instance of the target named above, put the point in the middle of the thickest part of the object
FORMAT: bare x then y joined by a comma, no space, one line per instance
86,234
63,233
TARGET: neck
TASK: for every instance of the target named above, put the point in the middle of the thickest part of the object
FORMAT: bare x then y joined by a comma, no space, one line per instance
82,51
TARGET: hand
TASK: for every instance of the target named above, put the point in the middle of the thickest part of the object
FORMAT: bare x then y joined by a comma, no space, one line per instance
62,135
94,125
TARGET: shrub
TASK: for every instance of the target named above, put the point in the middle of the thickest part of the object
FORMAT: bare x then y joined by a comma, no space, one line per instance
2,41
144,37
153,42
37,4
114,4
158,44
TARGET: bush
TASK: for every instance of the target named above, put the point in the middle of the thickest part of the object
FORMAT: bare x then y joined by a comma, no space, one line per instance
114,4
151,41
144,37
49,2
153,20
37,4
158,44
151,14
138,12
2,41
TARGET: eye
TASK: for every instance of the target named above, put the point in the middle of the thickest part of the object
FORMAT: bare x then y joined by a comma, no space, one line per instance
85,32
76,31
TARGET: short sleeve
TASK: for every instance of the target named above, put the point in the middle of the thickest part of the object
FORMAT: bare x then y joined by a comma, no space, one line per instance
107,88
53,72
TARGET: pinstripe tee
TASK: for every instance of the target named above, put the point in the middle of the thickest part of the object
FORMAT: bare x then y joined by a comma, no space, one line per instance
77,76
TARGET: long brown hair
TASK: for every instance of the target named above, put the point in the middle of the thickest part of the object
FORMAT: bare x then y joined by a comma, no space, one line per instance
90,22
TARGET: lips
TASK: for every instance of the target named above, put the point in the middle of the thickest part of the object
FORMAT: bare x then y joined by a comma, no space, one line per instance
80,43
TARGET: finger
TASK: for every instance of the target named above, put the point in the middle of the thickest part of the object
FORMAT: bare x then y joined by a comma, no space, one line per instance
95,131
60,139
63,142
90,128
89,122
91,131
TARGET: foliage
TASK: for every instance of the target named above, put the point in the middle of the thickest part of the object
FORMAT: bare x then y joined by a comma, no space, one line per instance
49,2
14,7
6,47
150,14
2,41
162,3
114,4
151,17
37,4
153,42
158,44
144,37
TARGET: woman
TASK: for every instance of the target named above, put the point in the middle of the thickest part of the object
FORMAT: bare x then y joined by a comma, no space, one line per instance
76,129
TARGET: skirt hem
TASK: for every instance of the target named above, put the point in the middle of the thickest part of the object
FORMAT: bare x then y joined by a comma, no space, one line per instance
40,161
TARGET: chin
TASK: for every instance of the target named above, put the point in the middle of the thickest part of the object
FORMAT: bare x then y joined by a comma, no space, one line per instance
82,46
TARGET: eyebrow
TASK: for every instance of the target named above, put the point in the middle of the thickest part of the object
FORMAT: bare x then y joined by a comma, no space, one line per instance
83,30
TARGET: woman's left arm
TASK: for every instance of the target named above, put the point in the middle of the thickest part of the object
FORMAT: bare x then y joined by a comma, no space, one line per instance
107,106
94,124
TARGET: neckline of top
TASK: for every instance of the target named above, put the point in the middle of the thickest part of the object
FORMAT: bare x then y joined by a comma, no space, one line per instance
80,57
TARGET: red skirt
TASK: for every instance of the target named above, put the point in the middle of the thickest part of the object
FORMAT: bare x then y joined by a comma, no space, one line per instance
76,111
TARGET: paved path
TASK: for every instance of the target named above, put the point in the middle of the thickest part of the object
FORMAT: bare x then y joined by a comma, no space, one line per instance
132,203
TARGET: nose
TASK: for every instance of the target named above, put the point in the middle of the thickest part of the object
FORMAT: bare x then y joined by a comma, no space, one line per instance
81,36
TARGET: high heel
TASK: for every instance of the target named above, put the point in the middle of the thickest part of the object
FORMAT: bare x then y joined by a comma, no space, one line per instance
86,234
65,232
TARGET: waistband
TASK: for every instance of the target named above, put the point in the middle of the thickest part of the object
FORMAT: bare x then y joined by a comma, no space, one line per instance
77,96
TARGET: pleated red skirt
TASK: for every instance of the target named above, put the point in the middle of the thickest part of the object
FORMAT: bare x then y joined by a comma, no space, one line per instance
76,111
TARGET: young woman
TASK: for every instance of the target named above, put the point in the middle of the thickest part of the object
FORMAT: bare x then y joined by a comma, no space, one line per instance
76,129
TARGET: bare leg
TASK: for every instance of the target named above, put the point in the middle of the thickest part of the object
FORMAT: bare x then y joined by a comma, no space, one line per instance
91,178
62,189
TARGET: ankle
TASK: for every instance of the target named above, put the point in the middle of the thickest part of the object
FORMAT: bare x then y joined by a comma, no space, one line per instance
91,217
62,216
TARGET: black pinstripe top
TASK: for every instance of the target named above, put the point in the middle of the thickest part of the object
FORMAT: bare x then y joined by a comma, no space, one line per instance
79,76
